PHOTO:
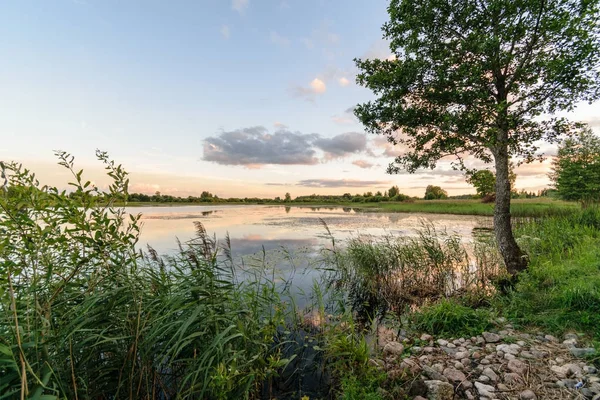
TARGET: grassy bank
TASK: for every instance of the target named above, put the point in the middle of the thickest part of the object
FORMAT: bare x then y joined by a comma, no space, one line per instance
535,208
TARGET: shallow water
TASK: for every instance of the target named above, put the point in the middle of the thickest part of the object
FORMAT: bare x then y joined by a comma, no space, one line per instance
290,242
252,227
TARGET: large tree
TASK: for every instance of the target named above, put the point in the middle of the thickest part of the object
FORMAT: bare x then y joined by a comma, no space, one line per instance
576,168
476,78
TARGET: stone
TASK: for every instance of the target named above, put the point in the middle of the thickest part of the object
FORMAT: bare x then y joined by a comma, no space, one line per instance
438,390
426,337
509,348
454,375
571,336
570,342
569,383
419,398
485,361
459,366
551,338
527,354
582,352
573,370
587,393
490,374
393,348
433,374
451,346
416,349
512,378
527,395
484,379
484,390
469,395
461,354
377,363
517,366
508,356
491,337
502,387
442,342
590,369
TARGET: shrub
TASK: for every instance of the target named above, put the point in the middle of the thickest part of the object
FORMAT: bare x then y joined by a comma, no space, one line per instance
448,317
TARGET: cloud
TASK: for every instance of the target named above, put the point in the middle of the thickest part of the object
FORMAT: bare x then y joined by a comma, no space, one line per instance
338,183
316,87
593,122
225,32
343,81
342,145
309,44
346,118
255,146
379,50
363,164
279,125
279,40
239,5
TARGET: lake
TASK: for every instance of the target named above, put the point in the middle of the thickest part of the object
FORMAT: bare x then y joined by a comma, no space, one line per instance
254,226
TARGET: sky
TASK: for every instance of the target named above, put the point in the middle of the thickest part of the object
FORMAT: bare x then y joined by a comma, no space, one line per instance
242,98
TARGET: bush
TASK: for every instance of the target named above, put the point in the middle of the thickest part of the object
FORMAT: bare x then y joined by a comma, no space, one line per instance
447,317
83,314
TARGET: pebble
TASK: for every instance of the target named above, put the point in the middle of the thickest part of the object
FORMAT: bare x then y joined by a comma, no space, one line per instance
491,374
527,395
484,390
439,390
491,337
517,366
393,348
426,337
582,352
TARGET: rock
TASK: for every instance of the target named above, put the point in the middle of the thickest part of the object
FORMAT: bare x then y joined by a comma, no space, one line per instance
590,370
551,338
484,390
438,390
428,349
442,342
419,398
454,375
433,374
491,337
512,378
426,337
469,395
416,349
582,352
490,374
509,348
527,395
587,393
559,371
458,365
485,361
451,346
571,336
527,354
573,370
393,348
570,342
569,383
517,366
502,387
484,379
461,354
508,356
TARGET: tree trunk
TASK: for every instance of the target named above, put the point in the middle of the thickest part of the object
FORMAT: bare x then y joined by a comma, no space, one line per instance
514,259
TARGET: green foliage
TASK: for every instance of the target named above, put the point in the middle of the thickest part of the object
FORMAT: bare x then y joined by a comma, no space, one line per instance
435,193
393,192
83,314
560,292
576,169
450,318
474,77
484,182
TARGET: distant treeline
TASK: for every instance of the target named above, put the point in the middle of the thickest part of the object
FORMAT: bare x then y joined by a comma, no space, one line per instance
393,194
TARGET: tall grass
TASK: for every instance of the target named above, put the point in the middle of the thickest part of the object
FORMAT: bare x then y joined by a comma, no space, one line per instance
83,315
395,274
561,289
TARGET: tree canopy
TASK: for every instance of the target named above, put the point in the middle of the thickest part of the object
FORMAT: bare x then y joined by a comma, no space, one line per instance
475,79
484,182
576,169
435,193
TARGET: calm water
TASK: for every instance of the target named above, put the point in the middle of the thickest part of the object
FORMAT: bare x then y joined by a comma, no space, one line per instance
293,238
252,227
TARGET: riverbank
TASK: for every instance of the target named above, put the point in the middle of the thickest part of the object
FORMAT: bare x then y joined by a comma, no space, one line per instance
541,340
526,208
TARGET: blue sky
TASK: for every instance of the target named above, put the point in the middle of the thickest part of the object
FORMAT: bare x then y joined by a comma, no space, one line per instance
156,82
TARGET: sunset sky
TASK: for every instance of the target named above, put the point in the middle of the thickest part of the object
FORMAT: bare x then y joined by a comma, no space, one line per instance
240,98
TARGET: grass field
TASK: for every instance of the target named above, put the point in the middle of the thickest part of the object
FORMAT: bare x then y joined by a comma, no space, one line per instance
540,207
